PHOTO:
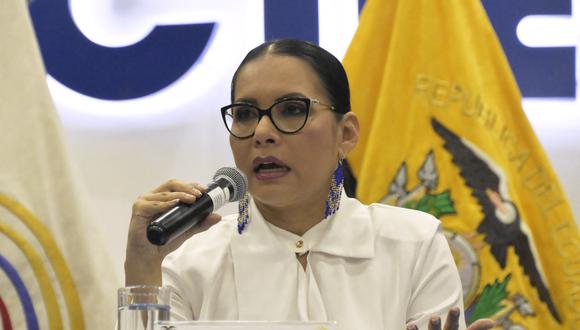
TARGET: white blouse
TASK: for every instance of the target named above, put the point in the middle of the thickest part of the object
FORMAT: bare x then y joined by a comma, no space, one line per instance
368,267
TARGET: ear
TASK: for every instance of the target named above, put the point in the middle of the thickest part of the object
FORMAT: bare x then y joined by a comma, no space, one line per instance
349,133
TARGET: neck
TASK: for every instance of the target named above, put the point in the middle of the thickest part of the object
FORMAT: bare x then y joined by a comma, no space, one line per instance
297,219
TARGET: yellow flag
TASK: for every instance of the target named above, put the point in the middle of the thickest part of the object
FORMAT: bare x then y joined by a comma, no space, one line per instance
443,131
53,271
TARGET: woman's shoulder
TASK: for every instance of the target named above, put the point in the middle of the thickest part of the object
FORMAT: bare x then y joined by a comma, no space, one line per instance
401,223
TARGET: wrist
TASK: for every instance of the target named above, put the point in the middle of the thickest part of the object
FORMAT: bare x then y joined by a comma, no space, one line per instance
141,272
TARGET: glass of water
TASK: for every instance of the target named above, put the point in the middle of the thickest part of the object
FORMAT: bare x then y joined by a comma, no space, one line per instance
139,307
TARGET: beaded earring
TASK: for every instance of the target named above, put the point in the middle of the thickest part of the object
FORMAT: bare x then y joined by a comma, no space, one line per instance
243,215
335,191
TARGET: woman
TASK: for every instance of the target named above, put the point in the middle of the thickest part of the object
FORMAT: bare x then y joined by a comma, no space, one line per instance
299,249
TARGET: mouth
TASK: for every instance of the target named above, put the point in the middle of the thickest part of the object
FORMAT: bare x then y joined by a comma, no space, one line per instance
268,166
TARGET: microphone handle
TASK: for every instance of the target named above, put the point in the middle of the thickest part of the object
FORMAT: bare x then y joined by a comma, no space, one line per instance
179,219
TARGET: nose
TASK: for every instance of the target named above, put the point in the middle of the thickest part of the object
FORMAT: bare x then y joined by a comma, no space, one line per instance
266,132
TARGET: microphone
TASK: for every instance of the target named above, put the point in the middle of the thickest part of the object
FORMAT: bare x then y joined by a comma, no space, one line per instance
229,185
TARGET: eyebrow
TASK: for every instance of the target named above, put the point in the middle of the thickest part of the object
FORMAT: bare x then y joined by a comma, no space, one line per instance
250,100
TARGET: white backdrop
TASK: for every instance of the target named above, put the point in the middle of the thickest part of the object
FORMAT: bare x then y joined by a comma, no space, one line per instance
124,148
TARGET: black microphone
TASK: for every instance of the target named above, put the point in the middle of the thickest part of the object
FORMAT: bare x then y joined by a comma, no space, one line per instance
229,185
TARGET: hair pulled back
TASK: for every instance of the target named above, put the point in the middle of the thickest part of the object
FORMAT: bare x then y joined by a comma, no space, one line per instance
325,65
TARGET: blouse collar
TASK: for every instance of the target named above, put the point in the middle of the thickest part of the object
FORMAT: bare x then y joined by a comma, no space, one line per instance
300,244
260,259
347,233
350,231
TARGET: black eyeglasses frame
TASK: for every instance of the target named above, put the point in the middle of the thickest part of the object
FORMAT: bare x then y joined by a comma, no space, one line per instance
268,112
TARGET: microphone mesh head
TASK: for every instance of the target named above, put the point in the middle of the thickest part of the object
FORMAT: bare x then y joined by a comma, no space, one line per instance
236,178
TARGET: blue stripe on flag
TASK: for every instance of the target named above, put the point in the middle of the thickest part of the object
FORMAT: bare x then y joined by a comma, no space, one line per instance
12,273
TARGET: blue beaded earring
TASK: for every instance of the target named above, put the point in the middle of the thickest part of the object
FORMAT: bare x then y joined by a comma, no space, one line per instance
243,215
335,191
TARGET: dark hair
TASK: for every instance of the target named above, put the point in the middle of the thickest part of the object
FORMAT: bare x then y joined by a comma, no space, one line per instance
326,66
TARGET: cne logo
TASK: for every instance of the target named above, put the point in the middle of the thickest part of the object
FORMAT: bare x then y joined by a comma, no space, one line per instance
115,73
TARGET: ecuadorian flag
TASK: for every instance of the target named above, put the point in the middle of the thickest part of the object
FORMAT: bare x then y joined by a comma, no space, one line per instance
443,131
53,271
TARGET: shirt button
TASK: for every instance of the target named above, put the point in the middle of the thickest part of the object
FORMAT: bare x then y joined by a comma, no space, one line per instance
299,243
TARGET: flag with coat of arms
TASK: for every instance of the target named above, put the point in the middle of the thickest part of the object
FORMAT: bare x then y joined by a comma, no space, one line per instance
443,131
54,273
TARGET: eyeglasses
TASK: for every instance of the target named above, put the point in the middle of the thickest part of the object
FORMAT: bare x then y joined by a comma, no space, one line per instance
289,115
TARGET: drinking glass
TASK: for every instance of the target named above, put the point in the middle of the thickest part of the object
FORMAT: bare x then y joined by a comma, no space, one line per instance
139,307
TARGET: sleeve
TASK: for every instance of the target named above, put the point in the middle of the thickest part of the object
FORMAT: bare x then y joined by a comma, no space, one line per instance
436,286
190,272
180,308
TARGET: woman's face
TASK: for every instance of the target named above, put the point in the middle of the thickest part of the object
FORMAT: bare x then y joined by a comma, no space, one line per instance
287,169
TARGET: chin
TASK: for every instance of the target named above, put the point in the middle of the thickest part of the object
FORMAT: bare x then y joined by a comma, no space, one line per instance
274,195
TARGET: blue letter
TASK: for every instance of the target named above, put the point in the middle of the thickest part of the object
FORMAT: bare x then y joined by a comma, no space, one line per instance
114,73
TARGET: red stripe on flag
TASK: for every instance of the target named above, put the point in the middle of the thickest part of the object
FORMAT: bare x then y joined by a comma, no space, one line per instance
6,323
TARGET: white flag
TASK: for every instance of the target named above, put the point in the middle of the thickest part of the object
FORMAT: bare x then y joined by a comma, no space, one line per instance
54,273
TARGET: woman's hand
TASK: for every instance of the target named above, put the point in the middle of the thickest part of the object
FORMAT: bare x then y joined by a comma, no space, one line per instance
452,322
143,259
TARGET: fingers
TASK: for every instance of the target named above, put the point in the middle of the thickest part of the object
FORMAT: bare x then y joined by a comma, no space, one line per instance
434,323
148,209
165,197
185,197
177,185
482,324
452,321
